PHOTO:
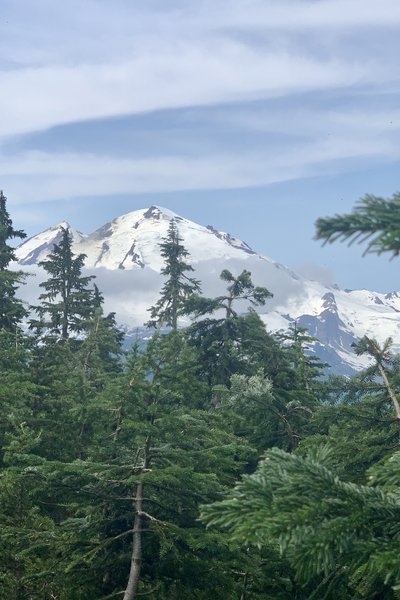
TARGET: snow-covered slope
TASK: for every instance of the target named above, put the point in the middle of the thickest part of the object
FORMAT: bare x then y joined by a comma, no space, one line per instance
126,257
132,240
338,318
37,248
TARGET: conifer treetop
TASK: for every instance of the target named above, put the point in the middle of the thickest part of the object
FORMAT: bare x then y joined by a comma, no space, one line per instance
67,302
7,232
179,286
12,310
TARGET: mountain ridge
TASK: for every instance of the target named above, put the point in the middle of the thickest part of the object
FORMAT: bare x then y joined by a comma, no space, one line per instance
146,226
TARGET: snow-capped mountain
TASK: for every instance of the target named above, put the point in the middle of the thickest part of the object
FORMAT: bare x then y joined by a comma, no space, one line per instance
125,256
131,241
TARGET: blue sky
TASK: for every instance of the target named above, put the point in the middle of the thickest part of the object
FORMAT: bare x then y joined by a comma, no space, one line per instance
255,116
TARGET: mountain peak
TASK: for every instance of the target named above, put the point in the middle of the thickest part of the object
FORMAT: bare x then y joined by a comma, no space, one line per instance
133,240
62,225
38,247
158,212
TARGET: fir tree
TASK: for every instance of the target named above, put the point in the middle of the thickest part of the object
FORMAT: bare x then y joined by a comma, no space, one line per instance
306,365
12,310
180,458
178,286
101,350
356,420
238,289
265,416
67,302
342,539
223,341
126,510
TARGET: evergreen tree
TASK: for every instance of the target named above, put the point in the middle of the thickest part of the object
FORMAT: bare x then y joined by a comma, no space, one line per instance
307,367
224,343
12,310
342,539
67,302
264,416
51,407
101,351
105,462
240,288
182,458
128,505
18,392
178,286
356,420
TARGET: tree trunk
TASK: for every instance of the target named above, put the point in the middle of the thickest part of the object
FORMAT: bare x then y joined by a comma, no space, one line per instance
136,559
377,354
243,594
64,325
390,391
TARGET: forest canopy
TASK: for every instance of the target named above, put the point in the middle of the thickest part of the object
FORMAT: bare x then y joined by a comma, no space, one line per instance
216,461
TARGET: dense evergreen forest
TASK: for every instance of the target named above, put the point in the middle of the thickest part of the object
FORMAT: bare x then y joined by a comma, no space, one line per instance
216,463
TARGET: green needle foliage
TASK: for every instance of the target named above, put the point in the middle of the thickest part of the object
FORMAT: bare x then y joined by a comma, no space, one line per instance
375,221
240,288
225,342
178,286
332,532
12,310
264,415
106,458
67,301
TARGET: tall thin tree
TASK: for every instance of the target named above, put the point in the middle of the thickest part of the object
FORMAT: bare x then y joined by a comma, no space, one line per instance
178,286
67,302
12,310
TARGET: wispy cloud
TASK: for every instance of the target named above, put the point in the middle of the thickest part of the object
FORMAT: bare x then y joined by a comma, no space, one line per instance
63,63
41,176
38,98
305,14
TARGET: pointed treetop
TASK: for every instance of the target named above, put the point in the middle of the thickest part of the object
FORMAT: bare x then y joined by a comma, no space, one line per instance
67,302
63,225
12,310
178,287
7,232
